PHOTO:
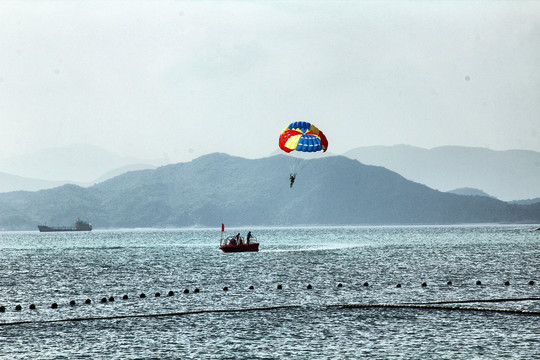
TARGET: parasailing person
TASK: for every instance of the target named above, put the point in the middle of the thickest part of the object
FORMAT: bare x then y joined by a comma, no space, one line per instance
304,139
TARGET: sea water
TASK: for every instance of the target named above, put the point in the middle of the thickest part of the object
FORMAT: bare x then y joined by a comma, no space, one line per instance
341,265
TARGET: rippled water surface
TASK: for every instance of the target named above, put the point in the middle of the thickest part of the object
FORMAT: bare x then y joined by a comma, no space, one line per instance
294,321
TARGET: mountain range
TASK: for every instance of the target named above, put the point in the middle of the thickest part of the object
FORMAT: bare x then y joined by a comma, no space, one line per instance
507,175
220,188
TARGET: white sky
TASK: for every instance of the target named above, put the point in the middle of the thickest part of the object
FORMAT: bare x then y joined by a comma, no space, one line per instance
181,79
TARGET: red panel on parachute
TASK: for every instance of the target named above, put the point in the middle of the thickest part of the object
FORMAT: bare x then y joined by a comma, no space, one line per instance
285,136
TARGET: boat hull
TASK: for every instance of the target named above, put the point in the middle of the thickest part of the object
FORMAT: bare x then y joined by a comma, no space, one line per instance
240,248
44,228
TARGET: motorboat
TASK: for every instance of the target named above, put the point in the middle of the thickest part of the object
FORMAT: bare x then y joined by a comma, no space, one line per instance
238,244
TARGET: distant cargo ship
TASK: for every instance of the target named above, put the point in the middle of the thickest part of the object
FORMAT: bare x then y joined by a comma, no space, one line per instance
80,225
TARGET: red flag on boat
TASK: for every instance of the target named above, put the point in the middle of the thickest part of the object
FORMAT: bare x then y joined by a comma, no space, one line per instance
222,227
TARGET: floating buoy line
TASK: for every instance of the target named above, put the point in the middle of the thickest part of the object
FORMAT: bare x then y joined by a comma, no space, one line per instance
421,306
426,306
431,305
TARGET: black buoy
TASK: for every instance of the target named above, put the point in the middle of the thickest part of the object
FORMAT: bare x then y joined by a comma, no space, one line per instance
449,283
54,306
111,299
366,284
88,301
531,282
251,287
398,285
225,288
103,300
158,294
32,307
142,296
424,284
72,303
18,308
279,287
2,308
125,297
196,291
507,283
309,287
478,282
340,285
171,293
186,291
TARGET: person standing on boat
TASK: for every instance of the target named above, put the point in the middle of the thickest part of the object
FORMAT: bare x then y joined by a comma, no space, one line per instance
248,237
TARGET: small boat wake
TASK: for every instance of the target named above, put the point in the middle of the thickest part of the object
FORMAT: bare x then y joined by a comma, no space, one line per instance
327,247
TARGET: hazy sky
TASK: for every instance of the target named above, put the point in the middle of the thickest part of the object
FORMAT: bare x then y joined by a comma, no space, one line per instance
181,79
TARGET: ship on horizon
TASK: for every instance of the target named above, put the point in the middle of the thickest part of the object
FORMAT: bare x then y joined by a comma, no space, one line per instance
79,225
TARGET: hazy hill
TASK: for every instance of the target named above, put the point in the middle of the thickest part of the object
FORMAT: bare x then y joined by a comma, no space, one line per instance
75,164
507,175
220,188
10,182
526,202
469,192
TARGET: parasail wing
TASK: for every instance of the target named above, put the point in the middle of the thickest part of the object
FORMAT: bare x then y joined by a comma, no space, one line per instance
304,137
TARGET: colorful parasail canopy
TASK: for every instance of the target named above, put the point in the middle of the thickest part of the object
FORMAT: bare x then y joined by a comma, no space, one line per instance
302,136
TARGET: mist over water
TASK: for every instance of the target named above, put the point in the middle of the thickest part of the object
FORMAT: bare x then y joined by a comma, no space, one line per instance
45,268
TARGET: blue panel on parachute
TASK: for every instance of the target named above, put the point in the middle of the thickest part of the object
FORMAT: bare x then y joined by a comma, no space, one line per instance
302,125
309,143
